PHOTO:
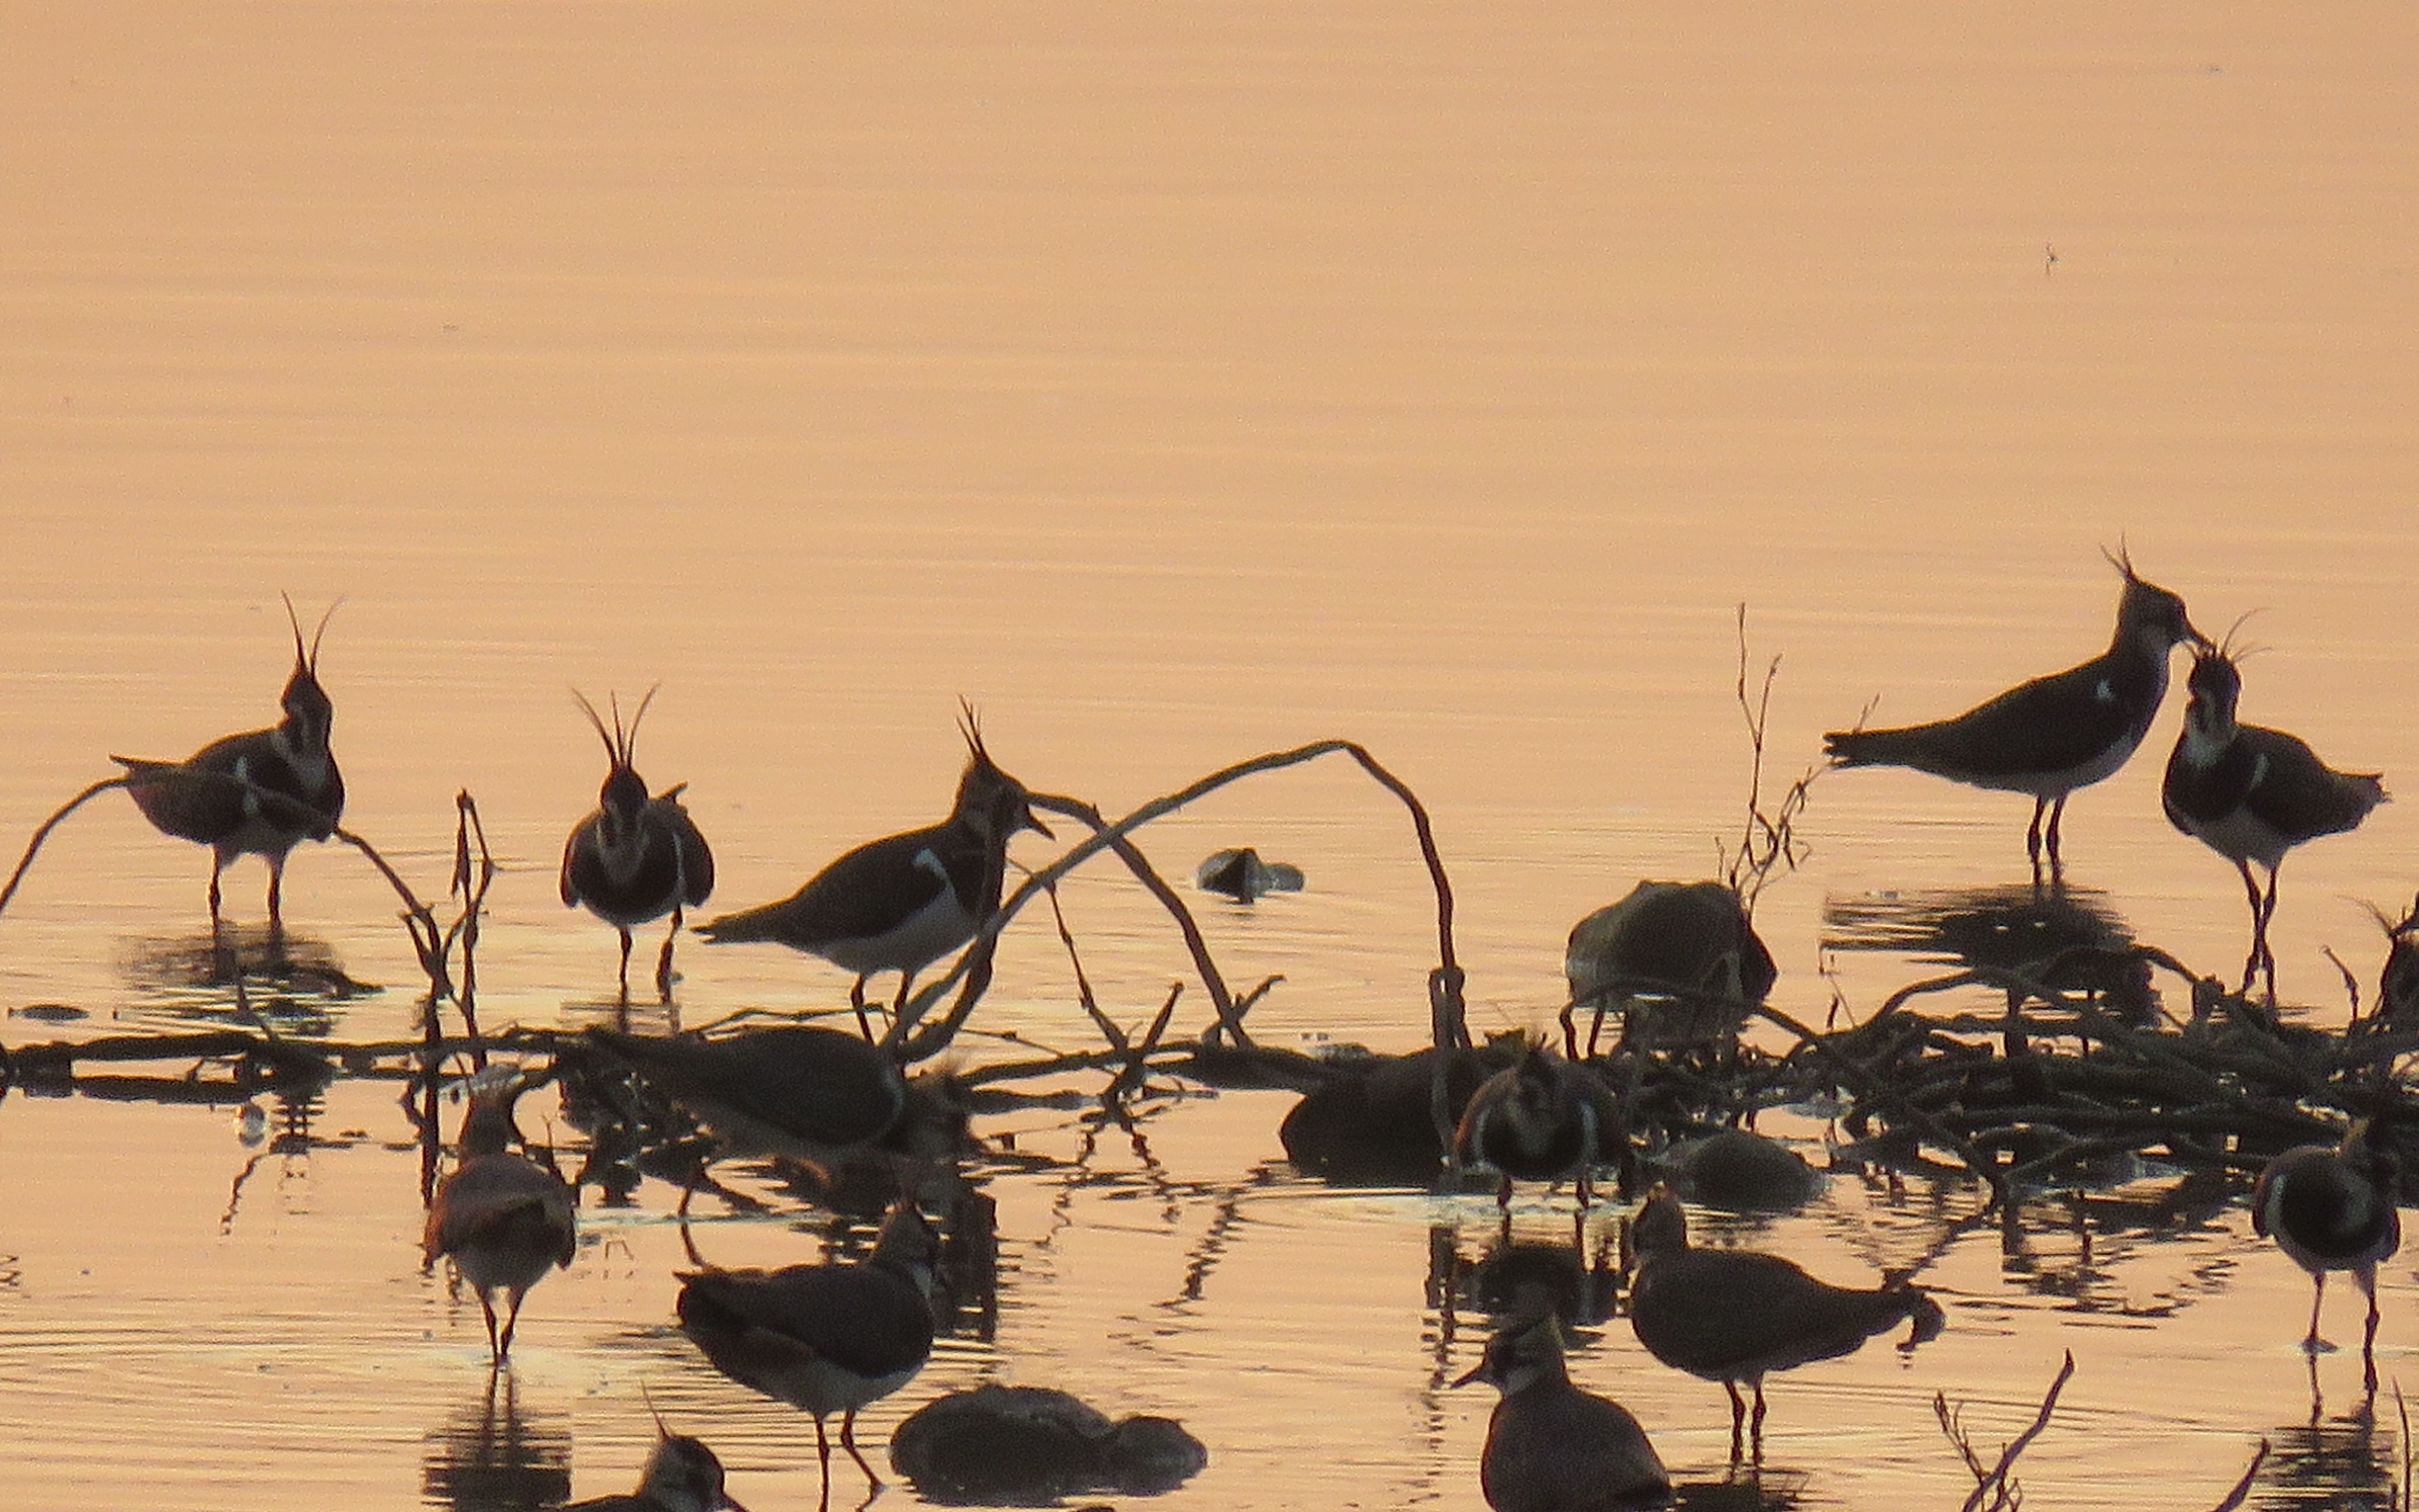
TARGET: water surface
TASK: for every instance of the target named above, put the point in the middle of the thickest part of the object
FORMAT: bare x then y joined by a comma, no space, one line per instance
1176,387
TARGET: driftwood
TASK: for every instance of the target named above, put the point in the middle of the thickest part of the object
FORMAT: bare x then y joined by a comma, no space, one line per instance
2221,1088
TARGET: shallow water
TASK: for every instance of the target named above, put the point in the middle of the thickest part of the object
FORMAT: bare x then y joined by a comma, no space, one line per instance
1176,387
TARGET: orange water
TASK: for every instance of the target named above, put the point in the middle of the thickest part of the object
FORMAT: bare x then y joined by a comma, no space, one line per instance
1176,385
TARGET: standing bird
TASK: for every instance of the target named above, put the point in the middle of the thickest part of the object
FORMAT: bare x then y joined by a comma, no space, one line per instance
257,794
1552,1447
1731,1316
636,858
2332,1207
824,1338
2055,733
503,1219
1539,1120
900,903
682,1475
2250,793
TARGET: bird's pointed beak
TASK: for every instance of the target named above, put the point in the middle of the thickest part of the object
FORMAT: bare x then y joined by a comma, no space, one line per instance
1034,823
2199,641
1469,1375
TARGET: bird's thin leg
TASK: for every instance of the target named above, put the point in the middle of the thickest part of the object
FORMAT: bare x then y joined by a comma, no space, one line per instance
848,1442
2251,889
2267,950
512,1318
217,925
2033,836
2056,865
276,900
664,962
822,1454
495,1351
1738,1420
2367,1276
856,1001
626,963
1503,1197
1756,1429
2311,1343
906,985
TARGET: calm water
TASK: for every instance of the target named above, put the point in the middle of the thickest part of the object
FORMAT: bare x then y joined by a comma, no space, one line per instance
1176,386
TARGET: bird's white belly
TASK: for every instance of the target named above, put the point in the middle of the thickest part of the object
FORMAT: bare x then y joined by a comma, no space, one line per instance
925,936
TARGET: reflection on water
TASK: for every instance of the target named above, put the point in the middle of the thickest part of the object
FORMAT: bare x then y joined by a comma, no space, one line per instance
490,1455
1179,385
2351,1463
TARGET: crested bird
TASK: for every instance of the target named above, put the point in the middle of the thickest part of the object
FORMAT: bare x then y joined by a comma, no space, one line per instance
2252,794
1538,1119
261,792
1732,1316
900,903
2332,1208
2053,735
681,1475
503,1219
1552,1447
824,1338
635,858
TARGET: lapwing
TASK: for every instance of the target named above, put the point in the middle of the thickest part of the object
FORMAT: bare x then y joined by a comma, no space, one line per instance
261,792
1732,1316
1552,1447
503,1219
636,858
2054,734
900,903
2250,793
2334,1208
824,1338
1539,1120
681,1475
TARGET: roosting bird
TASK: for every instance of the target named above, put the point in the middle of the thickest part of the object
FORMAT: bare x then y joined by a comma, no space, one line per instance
261,792
1552,1447
636,858
824,1338
503,1219
1732,1316
681,1475
900,903
2054,734
2250,793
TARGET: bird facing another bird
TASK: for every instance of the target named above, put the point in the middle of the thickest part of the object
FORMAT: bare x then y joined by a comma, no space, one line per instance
2053,735
2252,794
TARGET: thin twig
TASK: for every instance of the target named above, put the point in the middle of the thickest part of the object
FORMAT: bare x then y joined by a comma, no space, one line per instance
971,974
44,832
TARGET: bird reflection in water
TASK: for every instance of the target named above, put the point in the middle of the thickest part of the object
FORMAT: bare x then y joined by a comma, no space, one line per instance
298,973
2339,1462
1572,1275
488,1456
2069,939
